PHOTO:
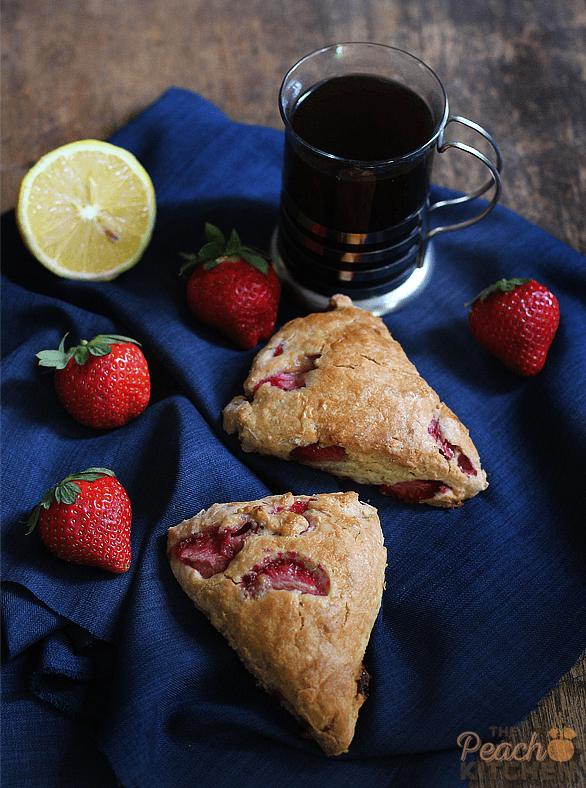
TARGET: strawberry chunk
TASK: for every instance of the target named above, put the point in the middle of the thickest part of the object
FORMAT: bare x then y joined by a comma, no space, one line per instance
299,507
289,380
466,466
316,453
449,450
446,448
212,550
415,491
286,572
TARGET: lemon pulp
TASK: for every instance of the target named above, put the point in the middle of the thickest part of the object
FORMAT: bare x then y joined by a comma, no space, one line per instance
87,210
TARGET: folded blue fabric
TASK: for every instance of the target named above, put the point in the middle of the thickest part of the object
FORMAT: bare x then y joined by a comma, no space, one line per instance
113,680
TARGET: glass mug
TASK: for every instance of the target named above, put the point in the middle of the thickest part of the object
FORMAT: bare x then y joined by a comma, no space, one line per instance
362,123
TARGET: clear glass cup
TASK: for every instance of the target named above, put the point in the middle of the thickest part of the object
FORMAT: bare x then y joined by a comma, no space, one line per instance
362,125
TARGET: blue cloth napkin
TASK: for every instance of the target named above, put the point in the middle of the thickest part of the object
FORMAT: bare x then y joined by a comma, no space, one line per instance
118,680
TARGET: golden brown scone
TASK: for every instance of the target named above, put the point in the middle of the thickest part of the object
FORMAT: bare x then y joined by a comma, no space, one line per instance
294,583
334,390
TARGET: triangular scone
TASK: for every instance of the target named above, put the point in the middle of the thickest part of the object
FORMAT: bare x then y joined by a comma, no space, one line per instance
294,583
334,390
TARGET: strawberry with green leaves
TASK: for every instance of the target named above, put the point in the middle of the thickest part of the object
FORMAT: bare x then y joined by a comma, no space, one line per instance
102,383
86,519
516,320
233,288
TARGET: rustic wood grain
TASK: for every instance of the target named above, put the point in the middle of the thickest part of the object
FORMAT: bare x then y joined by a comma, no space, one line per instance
564,706
83,68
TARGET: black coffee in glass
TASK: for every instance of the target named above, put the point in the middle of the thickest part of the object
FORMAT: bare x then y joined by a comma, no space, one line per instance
361,126
376,119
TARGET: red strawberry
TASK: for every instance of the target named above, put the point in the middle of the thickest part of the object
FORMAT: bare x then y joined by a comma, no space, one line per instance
85,519
516,321
101,383
233,289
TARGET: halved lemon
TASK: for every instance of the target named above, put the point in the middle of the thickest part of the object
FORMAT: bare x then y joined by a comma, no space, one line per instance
87,210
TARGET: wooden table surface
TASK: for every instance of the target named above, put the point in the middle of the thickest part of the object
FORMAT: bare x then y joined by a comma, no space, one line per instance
82,68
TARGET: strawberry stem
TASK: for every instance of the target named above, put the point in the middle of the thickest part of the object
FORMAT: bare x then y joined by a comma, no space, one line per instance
217,249
504,285
100,345
65,492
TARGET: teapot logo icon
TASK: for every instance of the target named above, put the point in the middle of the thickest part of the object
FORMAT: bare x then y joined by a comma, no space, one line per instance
560,747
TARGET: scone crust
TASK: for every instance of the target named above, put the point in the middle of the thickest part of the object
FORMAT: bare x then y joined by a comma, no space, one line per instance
363,394
304,648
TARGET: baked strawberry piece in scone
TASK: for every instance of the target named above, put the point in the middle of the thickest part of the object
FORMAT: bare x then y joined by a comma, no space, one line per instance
294,583
335,391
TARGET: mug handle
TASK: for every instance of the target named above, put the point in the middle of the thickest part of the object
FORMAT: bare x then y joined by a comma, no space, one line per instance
495,179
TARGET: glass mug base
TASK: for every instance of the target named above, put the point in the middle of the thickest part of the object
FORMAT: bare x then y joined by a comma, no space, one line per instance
379,304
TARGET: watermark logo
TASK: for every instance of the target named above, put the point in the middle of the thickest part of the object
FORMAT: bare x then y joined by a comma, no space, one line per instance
555,759
560,747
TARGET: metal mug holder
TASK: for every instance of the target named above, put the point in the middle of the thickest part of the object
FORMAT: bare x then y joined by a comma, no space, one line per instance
495,171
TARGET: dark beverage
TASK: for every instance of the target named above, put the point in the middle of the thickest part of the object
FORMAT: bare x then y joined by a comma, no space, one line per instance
362,126
349,216
363,117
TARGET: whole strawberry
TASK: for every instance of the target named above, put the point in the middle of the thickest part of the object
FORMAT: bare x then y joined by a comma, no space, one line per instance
102,383
233,289
516,320
85,519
